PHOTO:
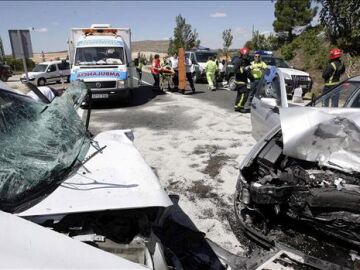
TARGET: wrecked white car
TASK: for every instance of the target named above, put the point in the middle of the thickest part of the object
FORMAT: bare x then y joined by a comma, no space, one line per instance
306,176
97,190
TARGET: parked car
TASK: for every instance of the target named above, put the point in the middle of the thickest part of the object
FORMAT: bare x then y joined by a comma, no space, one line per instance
95,189
271,95
5,72
303,175
199,59
48,72
293,77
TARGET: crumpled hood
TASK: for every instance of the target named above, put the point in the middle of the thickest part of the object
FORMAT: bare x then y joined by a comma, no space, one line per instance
116,178
328,136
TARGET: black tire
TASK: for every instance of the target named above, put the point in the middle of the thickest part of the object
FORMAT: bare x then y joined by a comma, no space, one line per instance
41,82
68,78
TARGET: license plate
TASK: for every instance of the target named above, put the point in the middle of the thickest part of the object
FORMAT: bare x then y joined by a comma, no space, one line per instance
100,95
303,86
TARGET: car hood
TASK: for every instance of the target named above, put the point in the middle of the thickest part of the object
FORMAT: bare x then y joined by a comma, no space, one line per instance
31,246
32,74
115,178
328,136
292,71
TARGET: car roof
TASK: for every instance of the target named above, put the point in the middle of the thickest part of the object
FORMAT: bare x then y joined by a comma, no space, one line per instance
52,62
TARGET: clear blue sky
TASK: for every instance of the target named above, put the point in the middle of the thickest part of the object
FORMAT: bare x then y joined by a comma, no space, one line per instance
149,20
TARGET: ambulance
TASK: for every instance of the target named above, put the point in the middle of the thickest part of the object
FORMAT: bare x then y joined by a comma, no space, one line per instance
100,56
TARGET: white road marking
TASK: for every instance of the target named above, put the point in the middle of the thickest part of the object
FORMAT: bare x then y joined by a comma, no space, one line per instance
142,81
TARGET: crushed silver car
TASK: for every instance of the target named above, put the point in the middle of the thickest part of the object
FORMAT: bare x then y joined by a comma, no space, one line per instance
308,177
271,95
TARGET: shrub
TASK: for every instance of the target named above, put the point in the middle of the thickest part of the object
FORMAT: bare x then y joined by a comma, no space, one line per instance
17,64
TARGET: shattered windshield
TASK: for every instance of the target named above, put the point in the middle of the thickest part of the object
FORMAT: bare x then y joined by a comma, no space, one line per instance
39,68
39,143
100,56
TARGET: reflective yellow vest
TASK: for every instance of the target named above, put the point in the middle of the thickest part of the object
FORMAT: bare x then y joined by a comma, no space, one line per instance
257,69
330,82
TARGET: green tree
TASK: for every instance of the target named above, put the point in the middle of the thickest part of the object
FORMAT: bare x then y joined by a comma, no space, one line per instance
262,42
184,36
171,48
292,13
228,38
341,19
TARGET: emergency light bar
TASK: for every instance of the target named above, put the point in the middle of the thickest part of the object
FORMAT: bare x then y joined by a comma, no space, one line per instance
261,52
92,31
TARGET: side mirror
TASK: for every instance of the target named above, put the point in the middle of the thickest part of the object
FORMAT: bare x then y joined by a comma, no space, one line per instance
291,66
269,102
48,70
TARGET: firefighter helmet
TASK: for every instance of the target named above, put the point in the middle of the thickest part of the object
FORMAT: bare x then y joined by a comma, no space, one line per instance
335,53
244,51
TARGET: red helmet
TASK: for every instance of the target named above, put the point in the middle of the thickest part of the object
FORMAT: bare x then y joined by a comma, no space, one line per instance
335,53
244,51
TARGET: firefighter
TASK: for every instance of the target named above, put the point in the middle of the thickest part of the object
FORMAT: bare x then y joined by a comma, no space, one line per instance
257,68
334,69
242,74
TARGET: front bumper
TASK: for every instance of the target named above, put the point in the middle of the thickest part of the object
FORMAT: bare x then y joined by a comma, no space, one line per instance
23,80
110,94
291,84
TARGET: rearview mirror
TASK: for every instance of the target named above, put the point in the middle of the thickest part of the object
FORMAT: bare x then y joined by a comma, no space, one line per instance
270,102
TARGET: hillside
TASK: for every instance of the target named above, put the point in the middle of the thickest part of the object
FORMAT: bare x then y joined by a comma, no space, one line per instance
159,46
309,52
146,47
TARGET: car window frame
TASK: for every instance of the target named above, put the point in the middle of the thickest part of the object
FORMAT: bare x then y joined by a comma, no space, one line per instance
49,66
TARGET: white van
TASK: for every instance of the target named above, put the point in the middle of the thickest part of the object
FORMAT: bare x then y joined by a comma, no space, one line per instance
48,72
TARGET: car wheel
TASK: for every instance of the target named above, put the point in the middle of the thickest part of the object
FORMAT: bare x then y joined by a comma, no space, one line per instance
3,77
231,83
41,82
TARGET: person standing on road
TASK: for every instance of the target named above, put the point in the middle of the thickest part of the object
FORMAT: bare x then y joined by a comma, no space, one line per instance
210,69
174,60
155,71
334,69
189,72
257,68
242,74
139,65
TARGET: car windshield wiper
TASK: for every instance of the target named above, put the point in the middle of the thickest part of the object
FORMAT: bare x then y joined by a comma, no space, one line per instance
99,149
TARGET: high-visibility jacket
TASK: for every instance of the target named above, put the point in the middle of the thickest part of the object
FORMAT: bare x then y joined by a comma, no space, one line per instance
333,71
257,69
210,67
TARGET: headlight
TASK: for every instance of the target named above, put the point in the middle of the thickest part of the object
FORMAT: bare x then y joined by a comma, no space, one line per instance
287,76
245,196
120,84
309,78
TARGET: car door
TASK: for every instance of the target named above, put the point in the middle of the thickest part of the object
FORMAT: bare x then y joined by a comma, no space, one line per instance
52,73
64,70
269,96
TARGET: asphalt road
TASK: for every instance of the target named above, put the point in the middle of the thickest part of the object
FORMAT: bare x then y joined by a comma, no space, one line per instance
221,97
